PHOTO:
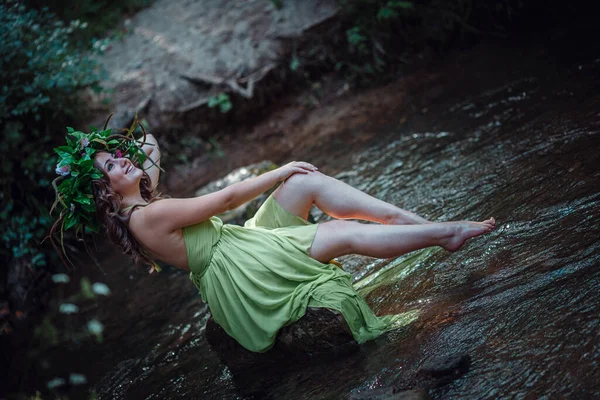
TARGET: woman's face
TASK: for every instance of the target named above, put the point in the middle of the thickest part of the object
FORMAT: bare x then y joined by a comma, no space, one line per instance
124,176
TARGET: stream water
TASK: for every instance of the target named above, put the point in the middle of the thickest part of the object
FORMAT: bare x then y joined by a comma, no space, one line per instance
523,302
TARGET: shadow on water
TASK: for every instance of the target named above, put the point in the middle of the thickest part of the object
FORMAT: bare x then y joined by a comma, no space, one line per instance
523,302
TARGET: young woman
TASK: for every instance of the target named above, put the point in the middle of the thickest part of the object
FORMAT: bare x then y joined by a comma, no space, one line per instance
260,277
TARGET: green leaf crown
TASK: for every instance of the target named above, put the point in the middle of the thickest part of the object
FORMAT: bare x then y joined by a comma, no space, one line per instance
74,195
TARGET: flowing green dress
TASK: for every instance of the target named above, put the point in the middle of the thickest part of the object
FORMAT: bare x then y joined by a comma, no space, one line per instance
258,278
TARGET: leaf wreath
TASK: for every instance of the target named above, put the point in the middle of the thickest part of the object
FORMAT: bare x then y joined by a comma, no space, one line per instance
73,188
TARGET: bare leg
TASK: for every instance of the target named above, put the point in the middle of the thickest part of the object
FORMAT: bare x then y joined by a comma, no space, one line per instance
300,191
337,238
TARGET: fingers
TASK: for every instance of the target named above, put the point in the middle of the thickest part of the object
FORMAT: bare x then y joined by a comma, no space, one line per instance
296,167
303,165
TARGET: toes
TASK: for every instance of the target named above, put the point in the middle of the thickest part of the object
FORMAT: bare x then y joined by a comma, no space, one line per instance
490,222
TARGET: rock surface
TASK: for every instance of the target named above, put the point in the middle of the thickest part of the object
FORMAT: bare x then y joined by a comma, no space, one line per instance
390,393
320,334
442,370
177,54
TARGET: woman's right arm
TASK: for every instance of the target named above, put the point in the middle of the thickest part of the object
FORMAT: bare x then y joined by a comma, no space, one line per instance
152,164
170,214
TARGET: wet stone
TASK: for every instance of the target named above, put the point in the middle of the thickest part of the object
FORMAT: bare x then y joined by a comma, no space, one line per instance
320,334
390,393
440,371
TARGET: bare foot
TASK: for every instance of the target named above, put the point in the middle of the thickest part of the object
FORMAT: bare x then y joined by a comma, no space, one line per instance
464,230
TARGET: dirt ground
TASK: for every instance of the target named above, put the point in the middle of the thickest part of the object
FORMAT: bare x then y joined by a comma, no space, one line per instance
334,115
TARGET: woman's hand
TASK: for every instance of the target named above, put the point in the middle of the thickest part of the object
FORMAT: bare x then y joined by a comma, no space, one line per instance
295,167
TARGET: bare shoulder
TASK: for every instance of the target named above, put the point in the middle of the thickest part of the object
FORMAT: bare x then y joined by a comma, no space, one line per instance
169,215
147,223
148,226
164,216
149,217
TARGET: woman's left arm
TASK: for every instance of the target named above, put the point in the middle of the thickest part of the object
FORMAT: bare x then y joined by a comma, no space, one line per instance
152,163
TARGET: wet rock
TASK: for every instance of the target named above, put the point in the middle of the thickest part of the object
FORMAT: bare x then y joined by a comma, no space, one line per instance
441,371
391,393
320,334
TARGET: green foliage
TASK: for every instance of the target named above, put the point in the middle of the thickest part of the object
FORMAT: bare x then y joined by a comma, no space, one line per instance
373,27
38,64
277,3
222,101
357,40
99,15
381,35
42,71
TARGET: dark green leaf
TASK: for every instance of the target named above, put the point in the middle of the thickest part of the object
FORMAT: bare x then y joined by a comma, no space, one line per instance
70,221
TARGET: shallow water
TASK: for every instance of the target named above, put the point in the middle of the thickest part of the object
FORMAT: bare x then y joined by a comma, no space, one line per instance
523,301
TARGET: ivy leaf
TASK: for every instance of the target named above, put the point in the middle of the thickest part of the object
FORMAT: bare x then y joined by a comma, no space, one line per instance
85,163
82,199
98,140
65,186
90,208
64,150
66,159
70,142
70,221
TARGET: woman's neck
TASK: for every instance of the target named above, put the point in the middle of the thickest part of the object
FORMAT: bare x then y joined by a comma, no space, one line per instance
130,201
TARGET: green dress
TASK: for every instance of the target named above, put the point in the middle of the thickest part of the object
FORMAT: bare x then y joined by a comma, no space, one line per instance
258,278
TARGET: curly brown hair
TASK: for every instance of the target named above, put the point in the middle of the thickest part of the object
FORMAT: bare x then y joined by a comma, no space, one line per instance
108,210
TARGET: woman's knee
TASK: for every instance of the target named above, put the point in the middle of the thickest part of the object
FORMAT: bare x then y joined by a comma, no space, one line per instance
309,179
303,184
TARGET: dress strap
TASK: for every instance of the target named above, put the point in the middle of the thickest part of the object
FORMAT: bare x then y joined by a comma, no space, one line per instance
132,206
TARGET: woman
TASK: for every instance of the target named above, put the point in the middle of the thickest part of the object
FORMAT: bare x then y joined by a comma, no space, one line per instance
263,276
